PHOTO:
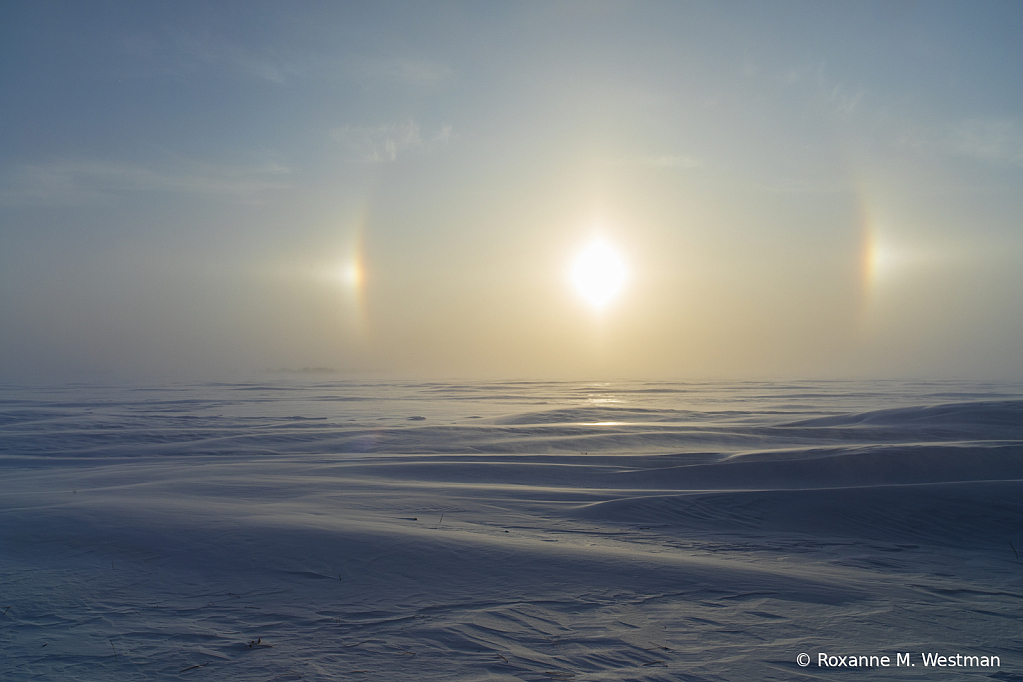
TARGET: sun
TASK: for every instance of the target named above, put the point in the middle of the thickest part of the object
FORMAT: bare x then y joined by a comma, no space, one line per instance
598,274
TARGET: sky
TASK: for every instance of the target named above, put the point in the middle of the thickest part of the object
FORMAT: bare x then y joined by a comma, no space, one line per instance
787,190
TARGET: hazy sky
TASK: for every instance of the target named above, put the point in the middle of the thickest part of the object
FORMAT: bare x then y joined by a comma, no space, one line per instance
796,190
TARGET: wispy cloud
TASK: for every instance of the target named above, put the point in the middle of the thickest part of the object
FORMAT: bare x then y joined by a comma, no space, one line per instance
992,141
412,72
378,144
72,182
221,53
184,55
844,101
995,141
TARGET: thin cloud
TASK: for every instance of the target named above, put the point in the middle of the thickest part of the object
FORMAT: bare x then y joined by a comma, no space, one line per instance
73,182
209,52
992,141
803,186
843,101
995,141
381,144
411,72
184,55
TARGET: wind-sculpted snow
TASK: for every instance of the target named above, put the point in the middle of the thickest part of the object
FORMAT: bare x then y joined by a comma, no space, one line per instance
977,420
507,531
968,515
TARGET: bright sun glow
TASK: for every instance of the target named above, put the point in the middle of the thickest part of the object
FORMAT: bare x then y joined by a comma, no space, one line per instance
598,274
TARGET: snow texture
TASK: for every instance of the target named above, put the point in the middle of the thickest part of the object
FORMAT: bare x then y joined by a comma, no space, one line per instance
508,531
